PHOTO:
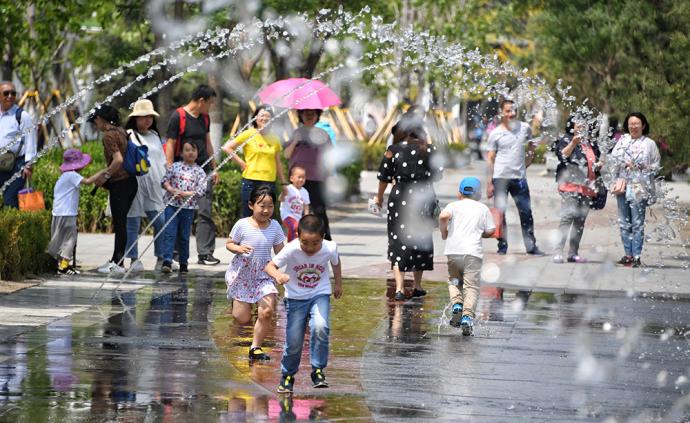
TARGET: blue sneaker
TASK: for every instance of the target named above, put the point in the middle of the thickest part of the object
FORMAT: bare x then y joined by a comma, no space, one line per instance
466,324
457,315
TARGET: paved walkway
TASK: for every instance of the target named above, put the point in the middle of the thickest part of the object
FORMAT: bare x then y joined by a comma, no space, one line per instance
362,240
362,244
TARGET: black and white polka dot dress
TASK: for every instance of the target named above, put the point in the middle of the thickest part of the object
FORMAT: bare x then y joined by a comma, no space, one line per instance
411,204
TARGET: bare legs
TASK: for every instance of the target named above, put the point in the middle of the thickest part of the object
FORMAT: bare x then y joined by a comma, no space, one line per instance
242,312
400,279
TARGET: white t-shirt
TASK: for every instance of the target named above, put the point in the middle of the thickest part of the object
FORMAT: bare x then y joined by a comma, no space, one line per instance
294,202
309,275
509,146
469,220
66,194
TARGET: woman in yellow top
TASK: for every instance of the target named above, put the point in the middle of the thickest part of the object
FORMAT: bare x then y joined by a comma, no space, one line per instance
261,150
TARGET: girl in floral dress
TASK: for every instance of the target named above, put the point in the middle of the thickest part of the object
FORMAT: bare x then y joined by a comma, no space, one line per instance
251,240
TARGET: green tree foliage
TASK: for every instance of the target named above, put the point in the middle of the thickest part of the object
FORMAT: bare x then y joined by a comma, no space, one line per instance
623,56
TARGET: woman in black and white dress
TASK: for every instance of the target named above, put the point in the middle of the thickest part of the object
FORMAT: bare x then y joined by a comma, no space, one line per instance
408,164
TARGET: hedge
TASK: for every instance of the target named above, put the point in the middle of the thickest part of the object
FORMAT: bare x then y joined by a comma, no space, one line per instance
92,218
24,237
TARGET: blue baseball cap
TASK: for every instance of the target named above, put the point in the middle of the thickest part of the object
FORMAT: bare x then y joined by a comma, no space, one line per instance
470,186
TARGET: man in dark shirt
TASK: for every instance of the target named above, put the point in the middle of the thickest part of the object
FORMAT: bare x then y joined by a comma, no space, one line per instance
196,129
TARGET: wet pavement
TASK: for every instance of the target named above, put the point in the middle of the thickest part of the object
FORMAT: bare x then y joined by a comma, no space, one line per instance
171,352
553,342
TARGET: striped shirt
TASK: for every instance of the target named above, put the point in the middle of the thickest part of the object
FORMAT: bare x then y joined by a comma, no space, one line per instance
261,240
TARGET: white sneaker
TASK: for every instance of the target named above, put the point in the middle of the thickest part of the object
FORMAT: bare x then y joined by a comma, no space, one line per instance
111,267
117,270
105,268
136,266
159,263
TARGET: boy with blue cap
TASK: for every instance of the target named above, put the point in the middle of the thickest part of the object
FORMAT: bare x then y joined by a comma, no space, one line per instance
463,224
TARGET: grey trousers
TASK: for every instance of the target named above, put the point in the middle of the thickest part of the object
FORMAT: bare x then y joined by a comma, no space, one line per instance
63,237
205,228
574,210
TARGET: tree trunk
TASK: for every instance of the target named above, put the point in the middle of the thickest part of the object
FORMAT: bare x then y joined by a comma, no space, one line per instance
279,63
30,19
164,96
7,69
216,110
315,53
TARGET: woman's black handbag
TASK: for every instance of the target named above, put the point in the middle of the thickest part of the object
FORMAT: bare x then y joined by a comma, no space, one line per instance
599,201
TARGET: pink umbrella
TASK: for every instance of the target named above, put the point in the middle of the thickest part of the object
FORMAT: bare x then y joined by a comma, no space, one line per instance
299,93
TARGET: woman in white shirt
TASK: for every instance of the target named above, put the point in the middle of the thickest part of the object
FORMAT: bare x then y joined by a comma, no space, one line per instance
635,162
142,130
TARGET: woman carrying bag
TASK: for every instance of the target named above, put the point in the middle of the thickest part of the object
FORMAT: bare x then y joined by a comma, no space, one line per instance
635,163
576,174
142,130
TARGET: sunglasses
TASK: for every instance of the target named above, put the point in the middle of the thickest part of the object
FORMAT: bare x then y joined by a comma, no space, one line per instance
8,93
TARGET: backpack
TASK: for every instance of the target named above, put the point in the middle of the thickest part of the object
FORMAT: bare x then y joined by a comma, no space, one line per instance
136,160
183,123
8,159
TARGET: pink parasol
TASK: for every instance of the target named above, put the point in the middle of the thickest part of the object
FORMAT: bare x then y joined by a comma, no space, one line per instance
299,93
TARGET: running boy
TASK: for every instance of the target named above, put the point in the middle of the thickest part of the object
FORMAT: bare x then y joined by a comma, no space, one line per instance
463,224
63,227
307,298
295,204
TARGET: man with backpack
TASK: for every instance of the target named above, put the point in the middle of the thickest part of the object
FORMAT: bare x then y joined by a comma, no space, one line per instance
14,151
191,122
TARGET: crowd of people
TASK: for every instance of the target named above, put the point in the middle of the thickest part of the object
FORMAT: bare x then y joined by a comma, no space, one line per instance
178,188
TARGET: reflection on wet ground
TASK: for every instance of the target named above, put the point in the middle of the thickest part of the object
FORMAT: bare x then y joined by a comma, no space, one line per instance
170,352
535,356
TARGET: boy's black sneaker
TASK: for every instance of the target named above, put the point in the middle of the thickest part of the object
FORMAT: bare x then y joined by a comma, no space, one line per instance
636,262
319,379
208,259
286,384
183,269
166,267
256,353
625,261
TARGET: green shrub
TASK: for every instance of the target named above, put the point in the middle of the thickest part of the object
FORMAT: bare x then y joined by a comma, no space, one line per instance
91,207
24,237
352,174
457,146
540,154
226,200
372,155
226,196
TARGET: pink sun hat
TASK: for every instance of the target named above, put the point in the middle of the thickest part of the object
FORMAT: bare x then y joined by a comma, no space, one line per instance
74,159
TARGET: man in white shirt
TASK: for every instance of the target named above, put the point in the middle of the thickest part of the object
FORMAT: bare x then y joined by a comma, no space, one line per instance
14,121
507,162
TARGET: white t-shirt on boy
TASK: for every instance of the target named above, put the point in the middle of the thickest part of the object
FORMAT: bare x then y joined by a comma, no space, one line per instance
309,275
294,202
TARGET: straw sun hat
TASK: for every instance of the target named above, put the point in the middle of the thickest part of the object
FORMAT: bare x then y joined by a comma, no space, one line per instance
143,108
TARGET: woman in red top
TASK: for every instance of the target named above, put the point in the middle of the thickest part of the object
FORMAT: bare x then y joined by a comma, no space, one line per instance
576,174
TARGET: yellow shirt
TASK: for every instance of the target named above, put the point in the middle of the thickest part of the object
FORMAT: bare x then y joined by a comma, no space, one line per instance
259,154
